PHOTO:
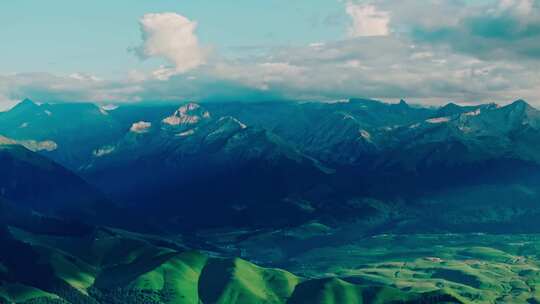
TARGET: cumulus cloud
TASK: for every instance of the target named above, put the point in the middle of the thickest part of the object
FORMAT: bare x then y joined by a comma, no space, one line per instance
45,87
505,30
367,20
521,7
84,77
172,37
431,52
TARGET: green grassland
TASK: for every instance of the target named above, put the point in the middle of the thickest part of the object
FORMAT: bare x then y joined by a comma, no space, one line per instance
113,266
475,268
472,267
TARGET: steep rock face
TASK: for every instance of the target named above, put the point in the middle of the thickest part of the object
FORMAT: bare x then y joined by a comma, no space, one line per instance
192,162
187,115
31,181
261,162
67,133
478,135
339,134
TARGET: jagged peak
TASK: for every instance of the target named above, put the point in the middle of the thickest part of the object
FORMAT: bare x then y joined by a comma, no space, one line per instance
187,114
140,127
402,102
26,104
27,101
188,107
519,105
450,105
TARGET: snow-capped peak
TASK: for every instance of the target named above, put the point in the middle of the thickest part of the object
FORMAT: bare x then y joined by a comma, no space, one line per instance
187,114
473,113
188,108
140,127
226,126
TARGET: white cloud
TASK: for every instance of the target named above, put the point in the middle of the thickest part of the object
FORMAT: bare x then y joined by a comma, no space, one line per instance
136,76
316,44
84,77
172,37
7,103
367,20
416,62
262,75
520,7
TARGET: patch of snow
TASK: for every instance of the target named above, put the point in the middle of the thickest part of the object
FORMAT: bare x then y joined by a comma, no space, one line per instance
438,120
473,113
32,145
464,129
103,151
348,116
6,141
339,101
109,107
228,126
36,146
188,108
187,133
23,125
140,127
238,122
181,120
188,114
49,113
416,125
365,134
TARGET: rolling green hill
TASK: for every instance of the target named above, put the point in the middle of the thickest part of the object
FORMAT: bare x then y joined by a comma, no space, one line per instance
114,266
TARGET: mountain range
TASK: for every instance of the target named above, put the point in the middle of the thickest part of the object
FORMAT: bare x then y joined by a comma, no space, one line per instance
284,163
153,203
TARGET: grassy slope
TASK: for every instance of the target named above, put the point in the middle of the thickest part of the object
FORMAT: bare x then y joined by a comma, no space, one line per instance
237,281
474,268
19,293
118,268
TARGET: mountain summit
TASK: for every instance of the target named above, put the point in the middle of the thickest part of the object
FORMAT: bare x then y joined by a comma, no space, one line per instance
186,115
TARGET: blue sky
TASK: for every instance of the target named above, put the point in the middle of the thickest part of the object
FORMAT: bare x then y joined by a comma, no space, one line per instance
64,36
430,51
